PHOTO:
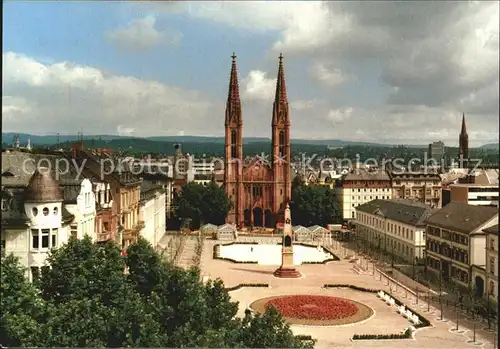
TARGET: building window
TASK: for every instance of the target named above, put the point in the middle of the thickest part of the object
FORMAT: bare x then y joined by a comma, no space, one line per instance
45,211
35,239
53,238
106,226
5,205
35,211
74,230
2,245
55,211
492,265
45,238
492,288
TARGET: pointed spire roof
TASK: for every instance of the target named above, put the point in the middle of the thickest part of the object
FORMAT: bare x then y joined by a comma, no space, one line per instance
464,128
234,89
280,83
43,188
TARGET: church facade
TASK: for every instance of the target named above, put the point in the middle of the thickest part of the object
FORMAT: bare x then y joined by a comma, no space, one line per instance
260,188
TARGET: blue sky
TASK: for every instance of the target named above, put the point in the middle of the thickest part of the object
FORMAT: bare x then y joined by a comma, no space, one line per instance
162,69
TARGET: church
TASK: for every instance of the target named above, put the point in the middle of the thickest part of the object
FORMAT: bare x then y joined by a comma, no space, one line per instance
260,188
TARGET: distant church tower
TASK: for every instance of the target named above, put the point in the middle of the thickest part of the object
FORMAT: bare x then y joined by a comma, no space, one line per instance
233,150
281,143
463,143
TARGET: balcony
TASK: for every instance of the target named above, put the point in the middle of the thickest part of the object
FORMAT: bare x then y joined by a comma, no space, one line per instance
104,236
140,225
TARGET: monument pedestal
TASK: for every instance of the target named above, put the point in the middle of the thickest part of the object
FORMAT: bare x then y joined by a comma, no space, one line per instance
287,272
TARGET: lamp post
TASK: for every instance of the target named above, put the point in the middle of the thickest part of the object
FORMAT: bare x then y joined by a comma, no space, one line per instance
428,301
460,297
393,246
441,290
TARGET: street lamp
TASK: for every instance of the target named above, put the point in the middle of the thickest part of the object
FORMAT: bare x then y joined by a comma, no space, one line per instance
393,246
441,290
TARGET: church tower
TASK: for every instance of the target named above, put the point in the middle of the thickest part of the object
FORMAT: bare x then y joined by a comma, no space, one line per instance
463,143
282,185
233,149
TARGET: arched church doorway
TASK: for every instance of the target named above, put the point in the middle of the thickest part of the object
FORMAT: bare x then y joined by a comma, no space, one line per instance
257,217
246,217
268,219
479,286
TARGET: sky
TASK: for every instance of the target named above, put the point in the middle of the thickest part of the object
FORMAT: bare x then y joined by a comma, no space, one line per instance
385,72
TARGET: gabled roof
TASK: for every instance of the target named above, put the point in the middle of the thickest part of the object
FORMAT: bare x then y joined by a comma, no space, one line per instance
461,217
227,228
404,211
299,229
318,229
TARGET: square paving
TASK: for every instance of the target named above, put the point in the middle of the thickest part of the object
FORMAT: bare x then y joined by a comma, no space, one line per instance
385,319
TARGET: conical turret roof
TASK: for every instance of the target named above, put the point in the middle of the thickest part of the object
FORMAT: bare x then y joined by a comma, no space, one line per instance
43,188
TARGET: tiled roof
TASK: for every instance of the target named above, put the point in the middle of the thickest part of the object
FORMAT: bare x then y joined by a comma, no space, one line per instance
364,175
149,190
404,211
43,188
70,193
462,217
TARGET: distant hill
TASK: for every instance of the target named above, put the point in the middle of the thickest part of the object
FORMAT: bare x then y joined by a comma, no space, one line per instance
492,146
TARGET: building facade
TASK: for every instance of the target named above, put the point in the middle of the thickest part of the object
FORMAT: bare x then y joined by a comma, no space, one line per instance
492,262
362,186
259,189
153,212
35,221
456,242
394,226
475,194
436,152
423,187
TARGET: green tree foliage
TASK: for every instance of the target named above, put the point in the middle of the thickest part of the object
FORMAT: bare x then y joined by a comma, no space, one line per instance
94,297
209,204
314,204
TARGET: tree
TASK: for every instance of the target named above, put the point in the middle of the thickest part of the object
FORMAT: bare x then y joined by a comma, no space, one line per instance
21,306
314,204
89,301
209,204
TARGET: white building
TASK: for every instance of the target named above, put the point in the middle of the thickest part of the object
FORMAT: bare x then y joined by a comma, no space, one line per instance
362,186
456,243
35,220
492,262
394,226
152,212
80,201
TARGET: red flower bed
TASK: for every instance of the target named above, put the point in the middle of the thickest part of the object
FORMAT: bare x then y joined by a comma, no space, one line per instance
313,307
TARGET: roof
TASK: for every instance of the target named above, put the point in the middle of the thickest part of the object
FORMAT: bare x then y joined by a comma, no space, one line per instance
149,190
299,229
404,211
70,193
492,230
43,188
462,217
227,228
318,229
364,175
208,227
419,176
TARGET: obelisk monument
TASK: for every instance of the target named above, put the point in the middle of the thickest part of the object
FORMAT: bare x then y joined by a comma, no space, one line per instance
287,270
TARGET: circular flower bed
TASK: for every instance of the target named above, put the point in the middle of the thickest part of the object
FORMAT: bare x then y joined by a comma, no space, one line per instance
315,310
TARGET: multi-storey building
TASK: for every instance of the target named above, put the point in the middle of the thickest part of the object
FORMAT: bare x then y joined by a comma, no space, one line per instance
362,186
152,212
436,152
456,242
394,226
474,194
492,262
125,191
423,187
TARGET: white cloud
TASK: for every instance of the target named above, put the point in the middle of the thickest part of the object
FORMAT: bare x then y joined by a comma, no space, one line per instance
325,74
64,97
257,86
141,35
340,115
305,104
124,131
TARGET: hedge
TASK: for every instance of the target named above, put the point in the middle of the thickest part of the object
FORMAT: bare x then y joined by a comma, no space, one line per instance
237,287
405,335
354,287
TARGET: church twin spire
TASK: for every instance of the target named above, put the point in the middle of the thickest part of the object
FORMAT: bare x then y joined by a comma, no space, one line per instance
233,105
